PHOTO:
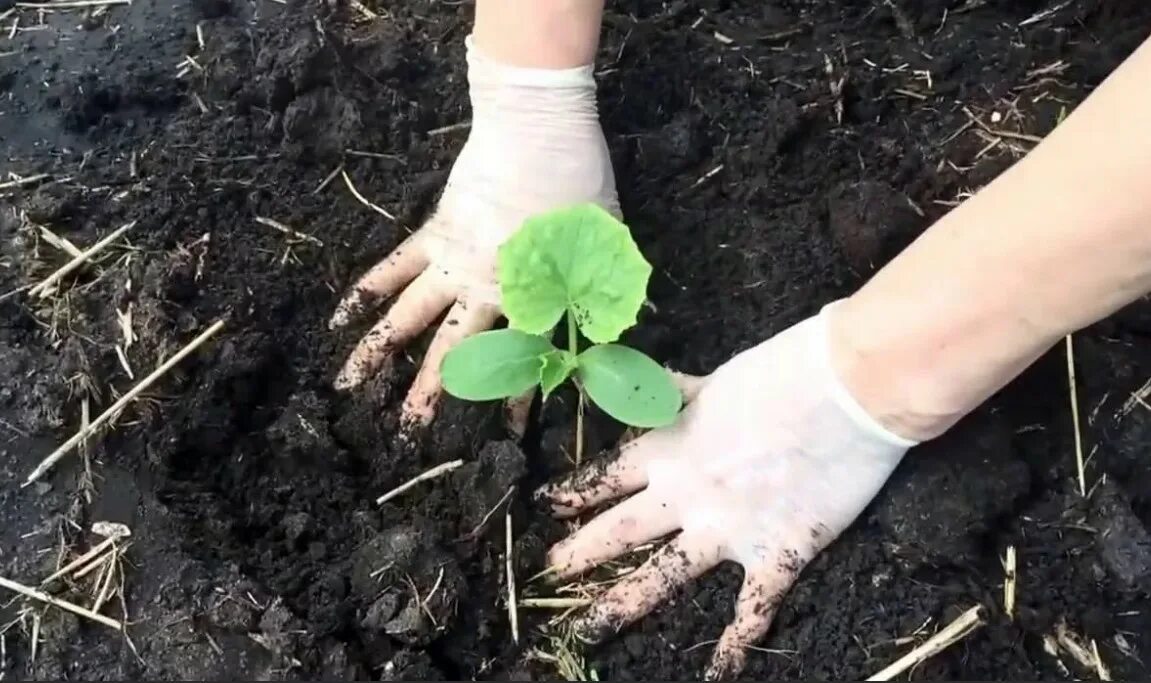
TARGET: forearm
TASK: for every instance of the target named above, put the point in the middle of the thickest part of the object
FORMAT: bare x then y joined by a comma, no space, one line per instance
1059,241
544,34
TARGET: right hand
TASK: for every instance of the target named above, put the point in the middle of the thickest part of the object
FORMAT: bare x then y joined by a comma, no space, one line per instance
535,144
771,460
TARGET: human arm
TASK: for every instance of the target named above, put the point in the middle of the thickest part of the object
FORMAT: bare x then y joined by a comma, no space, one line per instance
782,447
535,143
539,34
1055,243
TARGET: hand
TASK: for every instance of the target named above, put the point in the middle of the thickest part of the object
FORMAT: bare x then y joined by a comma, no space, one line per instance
535,144
771,460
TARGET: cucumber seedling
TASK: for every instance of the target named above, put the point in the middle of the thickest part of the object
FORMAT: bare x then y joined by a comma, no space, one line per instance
579,263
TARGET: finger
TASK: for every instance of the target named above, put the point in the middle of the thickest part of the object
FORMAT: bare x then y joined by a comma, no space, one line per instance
759,598
420,304
632,523
683,559
598,481
463,320
689,385
383,280
517,411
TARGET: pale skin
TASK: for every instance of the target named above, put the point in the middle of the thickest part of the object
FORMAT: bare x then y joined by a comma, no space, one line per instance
1057,242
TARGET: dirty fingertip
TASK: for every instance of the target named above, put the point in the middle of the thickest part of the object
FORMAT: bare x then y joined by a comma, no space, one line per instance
357,370
418,413
593,628
339,318
727,662
413,428
557,500
542,497
559,565
547,493
348,378
351,306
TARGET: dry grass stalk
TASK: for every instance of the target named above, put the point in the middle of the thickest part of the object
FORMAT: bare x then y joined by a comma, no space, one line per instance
79,562
1009,582
277,225
364,10
1073,392
442,130
44,288
474,533
328,179
18,181
555,603
946,637
579,435
1075,645
61,243
119,405
436,471
62,604
364,200
1100,669
72,4
509,565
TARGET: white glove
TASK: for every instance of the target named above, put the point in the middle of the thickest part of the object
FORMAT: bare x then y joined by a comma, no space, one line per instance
771,460
535,144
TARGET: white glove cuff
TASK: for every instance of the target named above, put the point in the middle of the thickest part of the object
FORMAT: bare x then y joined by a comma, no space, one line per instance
484,70
843,398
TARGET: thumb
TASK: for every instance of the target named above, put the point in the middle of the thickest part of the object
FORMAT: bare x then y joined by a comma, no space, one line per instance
688,385
759,599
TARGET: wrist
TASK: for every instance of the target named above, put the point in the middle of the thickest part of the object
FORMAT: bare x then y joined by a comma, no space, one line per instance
893,389
918,361
830,375
487,69
539,34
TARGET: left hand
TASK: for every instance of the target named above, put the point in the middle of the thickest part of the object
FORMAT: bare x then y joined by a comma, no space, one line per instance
770,461
535,144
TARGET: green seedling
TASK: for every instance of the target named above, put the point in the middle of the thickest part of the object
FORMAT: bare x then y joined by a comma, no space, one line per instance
582,264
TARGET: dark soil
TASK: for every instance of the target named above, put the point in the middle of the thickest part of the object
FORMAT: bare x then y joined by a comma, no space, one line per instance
771,155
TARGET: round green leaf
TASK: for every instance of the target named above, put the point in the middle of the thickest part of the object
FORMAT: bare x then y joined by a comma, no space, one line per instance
629,386
492,365
578,259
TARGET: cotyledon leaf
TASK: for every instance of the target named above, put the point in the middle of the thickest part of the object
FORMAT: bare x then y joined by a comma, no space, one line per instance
629,386
495,364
